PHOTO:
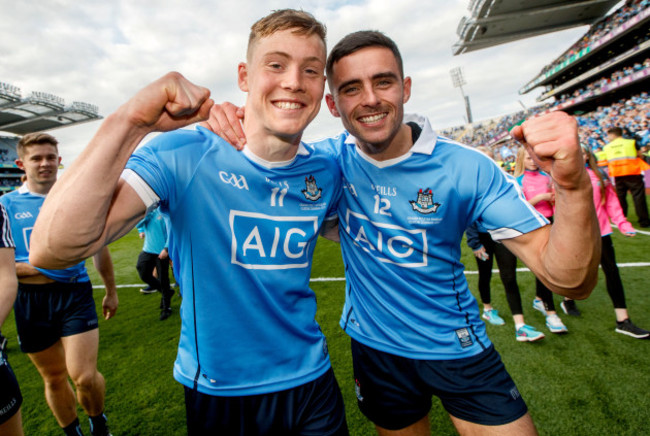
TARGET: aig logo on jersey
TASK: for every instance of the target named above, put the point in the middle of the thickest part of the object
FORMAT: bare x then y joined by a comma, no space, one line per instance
424,204
389,243
261,241
238,181
313,192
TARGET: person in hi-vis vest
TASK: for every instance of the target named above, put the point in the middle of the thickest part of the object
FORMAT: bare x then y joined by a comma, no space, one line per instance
627,168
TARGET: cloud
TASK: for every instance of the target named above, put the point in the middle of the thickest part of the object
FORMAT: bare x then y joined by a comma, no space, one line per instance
103,52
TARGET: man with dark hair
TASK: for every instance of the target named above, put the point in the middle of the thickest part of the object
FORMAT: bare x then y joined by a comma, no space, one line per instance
626,167
55,311
408,196
251,356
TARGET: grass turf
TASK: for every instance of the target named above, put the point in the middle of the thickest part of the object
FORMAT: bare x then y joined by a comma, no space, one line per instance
590,381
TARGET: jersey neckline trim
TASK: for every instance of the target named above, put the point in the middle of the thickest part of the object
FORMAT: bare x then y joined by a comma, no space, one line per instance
425,144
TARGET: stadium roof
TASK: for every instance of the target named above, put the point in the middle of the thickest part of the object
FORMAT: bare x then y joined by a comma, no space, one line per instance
39,111
494,22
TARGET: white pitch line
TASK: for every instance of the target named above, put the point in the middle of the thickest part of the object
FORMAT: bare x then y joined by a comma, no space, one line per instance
342,279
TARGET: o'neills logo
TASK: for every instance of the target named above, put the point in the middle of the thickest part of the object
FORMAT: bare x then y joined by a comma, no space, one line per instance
424,204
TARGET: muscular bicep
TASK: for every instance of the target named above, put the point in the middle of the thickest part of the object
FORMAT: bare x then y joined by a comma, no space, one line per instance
62,237
125,211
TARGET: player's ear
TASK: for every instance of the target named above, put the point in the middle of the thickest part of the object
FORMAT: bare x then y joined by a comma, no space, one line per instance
19,164
242,76
331,105
407,89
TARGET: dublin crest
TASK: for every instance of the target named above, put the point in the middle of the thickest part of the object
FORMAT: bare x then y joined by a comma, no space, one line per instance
312,191
424,203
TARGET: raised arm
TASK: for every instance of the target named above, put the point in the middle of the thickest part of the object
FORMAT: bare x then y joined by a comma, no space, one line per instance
564,256
90,206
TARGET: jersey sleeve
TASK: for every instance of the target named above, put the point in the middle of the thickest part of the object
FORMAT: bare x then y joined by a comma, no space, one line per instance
6,239
501,207
160,170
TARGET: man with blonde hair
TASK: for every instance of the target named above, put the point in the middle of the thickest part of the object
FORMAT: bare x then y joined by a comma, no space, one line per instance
243,229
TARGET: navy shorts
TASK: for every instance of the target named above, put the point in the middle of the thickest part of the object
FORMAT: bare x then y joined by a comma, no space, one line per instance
313,409
10,398
395,392
46,313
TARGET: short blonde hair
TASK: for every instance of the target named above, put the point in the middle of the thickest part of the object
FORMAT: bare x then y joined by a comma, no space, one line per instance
302,23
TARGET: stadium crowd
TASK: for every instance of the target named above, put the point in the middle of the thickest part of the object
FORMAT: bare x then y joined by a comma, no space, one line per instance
596,85
632,114
600,29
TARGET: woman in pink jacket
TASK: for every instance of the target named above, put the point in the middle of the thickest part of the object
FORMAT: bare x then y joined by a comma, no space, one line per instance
609,209
538,190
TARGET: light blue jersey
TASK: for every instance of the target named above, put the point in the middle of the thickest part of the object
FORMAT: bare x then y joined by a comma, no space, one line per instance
23,207
401,225
154,226
242,237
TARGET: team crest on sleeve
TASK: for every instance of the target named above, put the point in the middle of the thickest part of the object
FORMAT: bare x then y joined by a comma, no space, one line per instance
312,191
425,204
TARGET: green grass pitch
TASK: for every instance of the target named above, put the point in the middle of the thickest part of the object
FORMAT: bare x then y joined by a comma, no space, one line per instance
591,381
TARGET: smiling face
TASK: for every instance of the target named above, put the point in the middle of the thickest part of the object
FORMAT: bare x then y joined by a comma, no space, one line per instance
368,94
40,163
285,81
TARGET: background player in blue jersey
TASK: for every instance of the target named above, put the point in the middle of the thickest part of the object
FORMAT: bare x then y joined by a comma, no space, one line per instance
10,396
243,230
55,311
153,228
409,196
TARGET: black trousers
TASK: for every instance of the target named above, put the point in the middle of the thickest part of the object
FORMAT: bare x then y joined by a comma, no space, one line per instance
145,266
636,186
612,275
507,263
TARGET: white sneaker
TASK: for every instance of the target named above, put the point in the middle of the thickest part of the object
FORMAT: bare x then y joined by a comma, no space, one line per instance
539,305
555,325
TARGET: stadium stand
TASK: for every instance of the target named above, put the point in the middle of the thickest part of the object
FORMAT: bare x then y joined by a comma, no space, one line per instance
38,112
602,79
9,172
494,22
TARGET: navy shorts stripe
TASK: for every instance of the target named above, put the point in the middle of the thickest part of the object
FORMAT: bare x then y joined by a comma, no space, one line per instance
395,392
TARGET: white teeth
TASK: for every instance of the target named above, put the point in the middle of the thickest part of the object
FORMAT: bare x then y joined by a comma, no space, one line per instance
372,118
287,105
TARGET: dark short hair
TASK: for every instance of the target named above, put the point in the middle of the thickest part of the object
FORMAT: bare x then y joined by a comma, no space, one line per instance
615,131
300,22
37,138
356,41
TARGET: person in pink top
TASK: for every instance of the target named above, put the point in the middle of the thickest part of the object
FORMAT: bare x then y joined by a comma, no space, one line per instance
608,209
537,188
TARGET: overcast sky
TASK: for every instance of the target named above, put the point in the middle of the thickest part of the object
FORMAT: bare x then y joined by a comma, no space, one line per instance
102,52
